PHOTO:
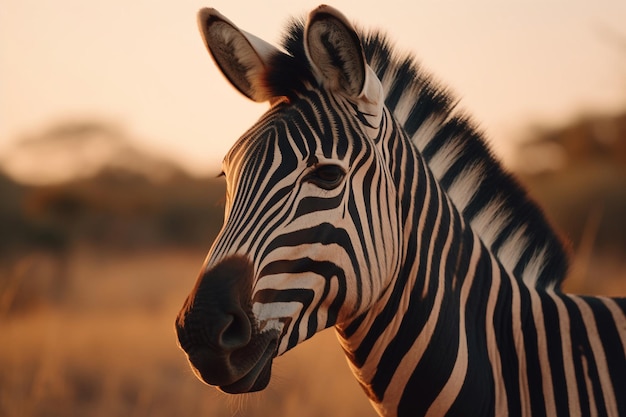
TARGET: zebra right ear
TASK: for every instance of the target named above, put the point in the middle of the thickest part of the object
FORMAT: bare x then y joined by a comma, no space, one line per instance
240,56
336,54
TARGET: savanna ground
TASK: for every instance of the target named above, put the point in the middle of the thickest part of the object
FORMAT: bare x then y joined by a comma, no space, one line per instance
93,272
107,347
110,349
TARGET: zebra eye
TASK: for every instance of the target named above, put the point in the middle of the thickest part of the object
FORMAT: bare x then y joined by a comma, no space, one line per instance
326,176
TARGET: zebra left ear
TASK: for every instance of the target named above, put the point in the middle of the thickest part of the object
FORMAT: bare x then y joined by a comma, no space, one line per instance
335,52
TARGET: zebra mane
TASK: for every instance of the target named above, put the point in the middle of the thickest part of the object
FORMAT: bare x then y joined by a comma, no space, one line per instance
491,200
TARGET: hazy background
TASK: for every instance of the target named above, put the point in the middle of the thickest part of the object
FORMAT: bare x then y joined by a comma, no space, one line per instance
141,64
113,123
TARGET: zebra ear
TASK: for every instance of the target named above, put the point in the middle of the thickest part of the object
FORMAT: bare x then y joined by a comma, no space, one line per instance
335,52
241,57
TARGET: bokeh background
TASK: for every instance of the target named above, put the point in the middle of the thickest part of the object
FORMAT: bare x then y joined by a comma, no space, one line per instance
113,123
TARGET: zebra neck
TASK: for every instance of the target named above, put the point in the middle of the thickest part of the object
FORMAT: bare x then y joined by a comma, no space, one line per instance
419,322
455,332
510,224
412,350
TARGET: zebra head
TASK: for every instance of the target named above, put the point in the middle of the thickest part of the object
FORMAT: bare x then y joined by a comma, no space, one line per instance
312,230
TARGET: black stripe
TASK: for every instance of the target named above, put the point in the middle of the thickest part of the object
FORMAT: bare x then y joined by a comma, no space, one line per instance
502,322
414,319
326,269
551,322
531,350
428,103
303,296
477,396
309,205
437,362
613,349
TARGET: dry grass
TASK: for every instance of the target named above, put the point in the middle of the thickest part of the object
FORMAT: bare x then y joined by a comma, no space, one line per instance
109,349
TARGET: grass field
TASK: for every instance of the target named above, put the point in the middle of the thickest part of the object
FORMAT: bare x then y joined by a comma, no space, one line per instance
108,348
106,345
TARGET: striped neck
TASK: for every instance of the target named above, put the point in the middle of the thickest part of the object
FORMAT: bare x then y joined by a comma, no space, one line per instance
444,260
456,333
490,200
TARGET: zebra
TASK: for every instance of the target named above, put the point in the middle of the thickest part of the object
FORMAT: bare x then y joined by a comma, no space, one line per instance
364,200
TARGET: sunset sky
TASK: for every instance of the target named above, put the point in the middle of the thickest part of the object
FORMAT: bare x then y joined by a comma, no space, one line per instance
141,64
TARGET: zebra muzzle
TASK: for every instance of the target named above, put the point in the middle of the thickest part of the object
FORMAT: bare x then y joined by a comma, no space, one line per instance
217,330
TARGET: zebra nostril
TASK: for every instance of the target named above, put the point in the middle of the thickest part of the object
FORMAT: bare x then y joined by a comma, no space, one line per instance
235,333
217,314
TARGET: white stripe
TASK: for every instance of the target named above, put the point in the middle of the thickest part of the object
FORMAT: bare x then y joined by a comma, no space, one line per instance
407,365
369,368
568,361
490,221
518,338
542,347
427,130
512,249
593,408
406,103
464,186
599,356
453,386
618,317
441,162
501,403
534,267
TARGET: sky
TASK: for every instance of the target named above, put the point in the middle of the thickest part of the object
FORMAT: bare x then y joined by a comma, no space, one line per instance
141,65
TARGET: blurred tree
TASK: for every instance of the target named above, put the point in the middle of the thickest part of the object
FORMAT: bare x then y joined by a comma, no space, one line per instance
81,149
96,190
578,173
99,188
